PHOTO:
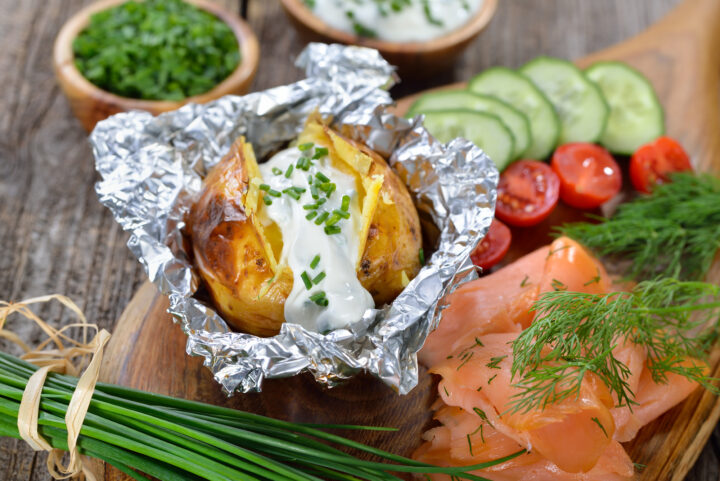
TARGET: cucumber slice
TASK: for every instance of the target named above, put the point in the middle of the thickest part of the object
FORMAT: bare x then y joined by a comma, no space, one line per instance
636,116
521,93
481,128
578,102
513,119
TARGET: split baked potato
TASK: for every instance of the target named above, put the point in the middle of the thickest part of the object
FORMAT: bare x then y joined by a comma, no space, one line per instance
237,254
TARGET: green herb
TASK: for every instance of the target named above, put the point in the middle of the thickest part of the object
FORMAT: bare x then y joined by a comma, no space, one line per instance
482,414
446,391
288,172
345,204
292,193
273,193
322,177
264,187
594,280
319,299
318,278
465,358
320,152
267,200
306,280
341,213
315,262
674,232
421,256
303,163
305,146
333,219
322,218
313,191
469,444
156,50
558,285
360,29
428,14
311,215
597,421
332,229
276,171
524,281
492,379
575,333
495,362
172,439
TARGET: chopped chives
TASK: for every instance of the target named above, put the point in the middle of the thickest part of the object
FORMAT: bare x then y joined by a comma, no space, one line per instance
327,187
332,229
291,193
320,152
319,298
276,171
421,256
322,218
311,215
303,163
342,213
313,191
345,203
321,201
306,280
264,187
299,190
267,200
288,172
334,219
305,146
310,179
316,280
311,206
322,177
315,262
273,192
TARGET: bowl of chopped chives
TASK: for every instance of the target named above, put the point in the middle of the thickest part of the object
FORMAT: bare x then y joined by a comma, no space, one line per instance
420,37
154,55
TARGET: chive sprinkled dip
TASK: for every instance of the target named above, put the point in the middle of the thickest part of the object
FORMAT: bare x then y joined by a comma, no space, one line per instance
156,50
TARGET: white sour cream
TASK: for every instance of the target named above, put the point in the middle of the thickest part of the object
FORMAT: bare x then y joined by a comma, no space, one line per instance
418,21
303,239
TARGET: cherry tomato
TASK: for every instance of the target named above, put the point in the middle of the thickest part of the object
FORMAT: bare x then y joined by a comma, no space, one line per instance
589,176
527,193
493,247
652,163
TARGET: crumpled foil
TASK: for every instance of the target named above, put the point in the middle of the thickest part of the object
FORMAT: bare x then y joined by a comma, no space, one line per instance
152,169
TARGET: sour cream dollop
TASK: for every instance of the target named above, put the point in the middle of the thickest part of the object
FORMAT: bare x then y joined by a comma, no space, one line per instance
410,21
305,239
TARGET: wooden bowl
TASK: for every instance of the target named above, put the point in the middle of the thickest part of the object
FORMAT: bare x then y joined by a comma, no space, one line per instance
417,59
91,104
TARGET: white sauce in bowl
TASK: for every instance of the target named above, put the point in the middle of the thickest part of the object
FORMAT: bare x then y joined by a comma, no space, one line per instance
304,239
413,21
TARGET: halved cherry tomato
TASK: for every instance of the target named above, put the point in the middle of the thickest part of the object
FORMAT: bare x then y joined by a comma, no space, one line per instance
653,163
527,193
493,247
589,176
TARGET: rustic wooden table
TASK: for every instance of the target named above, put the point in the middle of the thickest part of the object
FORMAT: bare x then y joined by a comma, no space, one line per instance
55,236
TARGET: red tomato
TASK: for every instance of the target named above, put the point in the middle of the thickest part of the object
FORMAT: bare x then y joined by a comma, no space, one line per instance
653,163
589,176
528,191
493,247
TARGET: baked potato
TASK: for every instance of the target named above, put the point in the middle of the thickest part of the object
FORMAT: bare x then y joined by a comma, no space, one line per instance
238,246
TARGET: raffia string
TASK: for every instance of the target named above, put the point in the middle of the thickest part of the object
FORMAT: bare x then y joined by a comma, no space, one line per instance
63,358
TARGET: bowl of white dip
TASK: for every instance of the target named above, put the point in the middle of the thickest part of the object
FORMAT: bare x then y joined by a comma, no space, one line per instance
420,37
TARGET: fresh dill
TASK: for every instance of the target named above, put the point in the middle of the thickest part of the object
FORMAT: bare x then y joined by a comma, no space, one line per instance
495,362
558,285
525,281
673,232
470,445
597,421
575,333
492,379
465,358
594,280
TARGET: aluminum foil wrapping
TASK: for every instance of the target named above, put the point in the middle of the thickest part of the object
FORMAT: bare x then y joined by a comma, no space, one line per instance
152,169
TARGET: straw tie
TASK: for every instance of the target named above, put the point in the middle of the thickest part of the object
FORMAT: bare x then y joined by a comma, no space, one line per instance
61,360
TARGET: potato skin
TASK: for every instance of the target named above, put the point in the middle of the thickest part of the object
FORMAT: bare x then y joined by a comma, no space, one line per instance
232,259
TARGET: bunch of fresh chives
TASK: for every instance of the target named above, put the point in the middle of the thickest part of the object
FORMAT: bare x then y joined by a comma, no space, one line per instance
144,434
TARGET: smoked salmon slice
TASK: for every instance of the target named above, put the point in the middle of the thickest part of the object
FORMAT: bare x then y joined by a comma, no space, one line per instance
576,439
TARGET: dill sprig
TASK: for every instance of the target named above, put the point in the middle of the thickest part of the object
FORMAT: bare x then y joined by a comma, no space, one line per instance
575,333
674,232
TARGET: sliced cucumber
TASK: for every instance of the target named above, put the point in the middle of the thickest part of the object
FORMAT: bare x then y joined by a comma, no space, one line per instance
636,116
513,119
521,93
578,102
485,130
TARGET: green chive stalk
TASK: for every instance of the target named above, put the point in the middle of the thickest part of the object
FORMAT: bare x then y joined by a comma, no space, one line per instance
148,435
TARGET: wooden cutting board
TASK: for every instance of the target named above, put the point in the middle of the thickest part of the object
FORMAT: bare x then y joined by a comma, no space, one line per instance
680,54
